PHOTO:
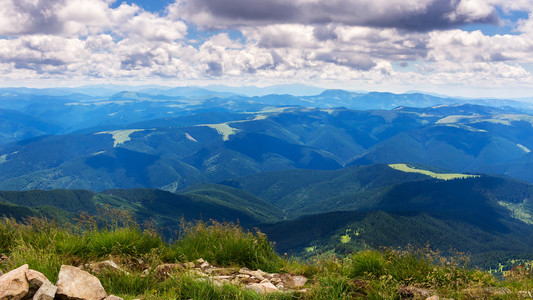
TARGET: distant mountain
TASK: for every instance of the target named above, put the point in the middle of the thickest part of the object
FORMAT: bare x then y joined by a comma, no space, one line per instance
167,209
462,138
291,89
174,152
115,107
15,126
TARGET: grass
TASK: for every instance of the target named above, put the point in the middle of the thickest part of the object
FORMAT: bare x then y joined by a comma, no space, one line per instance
442,176
370,274
225,244
223,129
121,136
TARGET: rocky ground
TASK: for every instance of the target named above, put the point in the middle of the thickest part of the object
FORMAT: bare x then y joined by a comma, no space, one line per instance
80,283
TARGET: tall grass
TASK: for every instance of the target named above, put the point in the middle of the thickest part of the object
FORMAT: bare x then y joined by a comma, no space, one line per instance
225,244
371,274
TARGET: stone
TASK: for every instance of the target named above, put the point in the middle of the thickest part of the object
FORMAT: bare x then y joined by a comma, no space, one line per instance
165,270
435,297
189,265
257,274
36,279
525,294
14,285
265,287
204,265
76,284
200,261
223,277
145,273
222,271
413,292
298,281
104,266
47,291
113,297
485,292
3,258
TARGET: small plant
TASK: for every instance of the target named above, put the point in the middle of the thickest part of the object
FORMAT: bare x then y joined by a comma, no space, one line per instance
368,264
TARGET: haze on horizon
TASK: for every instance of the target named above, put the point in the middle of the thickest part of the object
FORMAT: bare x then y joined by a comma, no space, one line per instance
472,48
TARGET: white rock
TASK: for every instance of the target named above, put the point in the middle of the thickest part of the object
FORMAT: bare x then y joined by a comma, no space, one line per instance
204,265
103,266
35,279
298,281
47,291
14,285
257,274
265,287
76,284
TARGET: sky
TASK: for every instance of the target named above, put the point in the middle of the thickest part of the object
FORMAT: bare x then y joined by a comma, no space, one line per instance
471,48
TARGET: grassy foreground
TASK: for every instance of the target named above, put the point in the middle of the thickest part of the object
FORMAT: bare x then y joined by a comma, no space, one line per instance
370,274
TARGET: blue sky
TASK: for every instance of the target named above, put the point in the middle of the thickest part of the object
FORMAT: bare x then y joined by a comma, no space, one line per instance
156,6
456,47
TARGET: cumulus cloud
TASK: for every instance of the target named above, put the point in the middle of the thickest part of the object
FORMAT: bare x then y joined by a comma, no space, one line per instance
362,42
84,17
417,15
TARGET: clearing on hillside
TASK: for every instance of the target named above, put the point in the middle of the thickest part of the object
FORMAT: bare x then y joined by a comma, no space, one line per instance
443,176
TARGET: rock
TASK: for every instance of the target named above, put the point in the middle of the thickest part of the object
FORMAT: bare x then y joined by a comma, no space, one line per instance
257,274
485,292
47,291
222,278
76,284
199,261
3,258
14,285
36,280
298,281
525,294
113,297
413,292
189,265
221,271
265,287
104,266
204,265
165,270
433,298
145,273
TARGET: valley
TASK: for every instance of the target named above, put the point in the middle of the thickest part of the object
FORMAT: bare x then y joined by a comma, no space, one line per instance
333,173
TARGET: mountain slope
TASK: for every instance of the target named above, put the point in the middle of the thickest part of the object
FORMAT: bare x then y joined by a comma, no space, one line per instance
166,209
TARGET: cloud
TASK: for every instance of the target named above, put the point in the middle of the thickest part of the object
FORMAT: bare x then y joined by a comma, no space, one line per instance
359,42
85,17
416,15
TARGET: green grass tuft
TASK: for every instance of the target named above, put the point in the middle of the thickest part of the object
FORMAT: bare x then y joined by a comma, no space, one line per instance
226,244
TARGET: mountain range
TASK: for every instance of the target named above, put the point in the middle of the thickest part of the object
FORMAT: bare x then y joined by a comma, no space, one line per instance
334,171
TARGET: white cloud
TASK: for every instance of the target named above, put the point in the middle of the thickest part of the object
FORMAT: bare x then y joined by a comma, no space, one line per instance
357,42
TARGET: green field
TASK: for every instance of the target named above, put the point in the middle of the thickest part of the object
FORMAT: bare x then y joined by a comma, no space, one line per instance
443,176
